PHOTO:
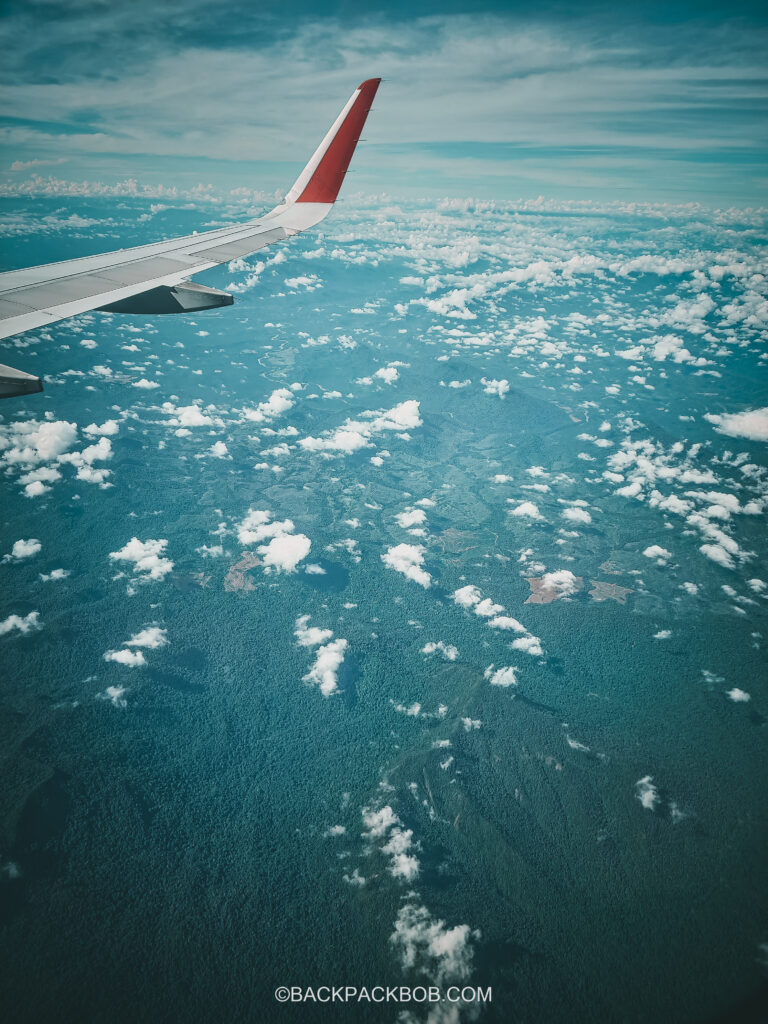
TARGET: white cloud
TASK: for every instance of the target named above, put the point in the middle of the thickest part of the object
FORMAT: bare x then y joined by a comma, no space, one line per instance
752,423
280,401
526,509
35,489
23,549
148,558
149,637
385,824
389,374
31,442
378,823
310,636
717,553
25,624
328,659
471,598
325,670
562,582
501,676
429,947
487,609
131,659
467,596
355,434
529,645
219,450
646,792
284,553
284,548
575,745
495,387
256,527
333,831
114,694
663,634
109,427
660,554
83,462
507,622
210,551
188,416
311,282
448,651
402,864
355,879
147,385
740,696
577,515
411,517
408,559
54,575
412,710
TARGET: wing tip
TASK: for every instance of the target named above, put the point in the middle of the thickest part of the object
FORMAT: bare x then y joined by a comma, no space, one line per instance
327,173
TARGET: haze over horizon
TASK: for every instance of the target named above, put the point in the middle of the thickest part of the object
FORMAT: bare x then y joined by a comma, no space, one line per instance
663,103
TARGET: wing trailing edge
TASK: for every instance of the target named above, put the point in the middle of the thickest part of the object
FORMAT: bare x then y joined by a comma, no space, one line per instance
154,279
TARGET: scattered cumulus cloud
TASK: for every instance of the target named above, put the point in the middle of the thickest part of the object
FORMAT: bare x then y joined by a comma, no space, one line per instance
383,826
495,387
471,598
738,695
279,402
448,651
429,947
23,549
150,637
751,424
659,554
646,793
354,434
54,575
526,510
577,515
329,657
408,559
108,428
501,676
131,659
23,624
560,583
280,548
114,695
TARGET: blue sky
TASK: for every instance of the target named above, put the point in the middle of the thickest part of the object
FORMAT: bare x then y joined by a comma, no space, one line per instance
663,102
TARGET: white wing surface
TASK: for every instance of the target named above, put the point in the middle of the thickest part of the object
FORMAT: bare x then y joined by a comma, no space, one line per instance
154,279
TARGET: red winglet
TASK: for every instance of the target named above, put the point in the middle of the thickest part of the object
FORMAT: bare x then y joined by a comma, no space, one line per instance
324,185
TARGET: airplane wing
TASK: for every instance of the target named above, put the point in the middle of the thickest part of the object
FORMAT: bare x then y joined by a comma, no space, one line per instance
154,279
